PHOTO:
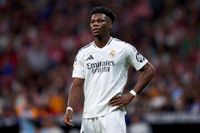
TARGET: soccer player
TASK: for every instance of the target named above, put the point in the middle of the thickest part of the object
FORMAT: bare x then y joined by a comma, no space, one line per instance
101,71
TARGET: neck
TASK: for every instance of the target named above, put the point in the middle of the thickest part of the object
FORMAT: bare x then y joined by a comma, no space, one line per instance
101,41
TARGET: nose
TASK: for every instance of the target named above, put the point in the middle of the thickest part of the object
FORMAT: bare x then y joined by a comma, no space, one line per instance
95,23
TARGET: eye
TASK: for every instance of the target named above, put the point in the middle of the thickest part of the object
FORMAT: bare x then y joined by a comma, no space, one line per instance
100,20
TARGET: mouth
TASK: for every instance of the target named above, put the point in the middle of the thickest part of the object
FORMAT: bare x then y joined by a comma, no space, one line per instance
95,30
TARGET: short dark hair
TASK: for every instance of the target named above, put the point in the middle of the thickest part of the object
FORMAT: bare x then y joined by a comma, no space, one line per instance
101,9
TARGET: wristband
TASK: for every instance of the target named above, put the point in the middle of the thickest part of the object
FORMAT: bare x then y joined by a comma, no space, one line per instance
133,93
69,108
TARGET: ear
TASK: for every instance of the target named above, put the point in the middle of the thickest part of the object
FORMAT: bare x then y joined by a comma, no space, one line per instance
110,24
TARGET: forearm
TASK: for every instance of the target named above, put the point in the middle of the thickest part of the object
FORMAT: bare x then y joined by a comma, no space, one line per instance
146,74
75,93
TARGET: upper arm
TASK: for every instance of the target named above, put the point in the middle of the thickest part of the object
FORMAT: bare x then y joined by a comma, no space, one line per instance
148,67
136,59
78,67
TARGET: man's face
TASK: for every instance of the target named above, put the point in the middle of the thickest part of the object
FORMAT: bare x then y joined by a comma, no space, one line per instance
100,25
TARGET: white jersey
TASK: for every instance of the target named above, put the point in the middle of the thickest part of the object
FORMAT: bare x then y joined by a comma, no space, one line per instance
105,71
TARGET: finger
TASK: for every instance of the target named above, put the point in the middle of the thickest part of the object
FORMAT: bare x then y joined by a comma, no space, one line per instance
113,100
115,97
69,122
117,103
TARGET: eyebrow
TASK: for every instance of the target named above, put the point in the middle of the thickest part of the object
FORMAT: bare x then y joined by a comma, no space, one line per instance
103,18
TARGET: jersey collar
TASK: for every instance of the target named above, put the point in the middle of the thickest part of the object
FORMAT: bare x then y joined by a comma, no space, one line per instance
105,45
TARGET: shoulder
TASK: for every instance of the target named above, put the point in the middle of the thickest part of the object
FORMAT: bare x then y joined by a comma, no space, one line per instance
124,44
116,40
85,48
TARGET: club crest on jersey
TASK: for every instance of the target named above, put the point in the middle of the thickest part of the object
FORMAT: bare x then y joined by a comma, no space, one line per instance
112,53
139,57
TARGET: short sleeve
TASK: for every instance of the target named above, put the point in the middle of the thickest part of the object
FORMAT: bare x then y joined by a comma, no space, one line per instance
135,59
78,67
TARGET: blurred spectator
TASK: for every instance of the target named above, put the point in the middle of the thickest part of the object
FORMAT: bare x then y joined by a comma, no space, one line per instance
49,126
138,125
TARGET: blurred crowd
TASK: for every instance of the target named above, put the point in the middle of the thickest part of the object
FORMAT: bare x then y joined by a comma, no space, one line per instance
39,40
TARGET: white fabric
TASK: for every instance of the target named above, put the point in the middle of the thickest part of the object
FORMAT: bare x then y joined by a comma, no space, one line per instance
111,123
140,128
105,71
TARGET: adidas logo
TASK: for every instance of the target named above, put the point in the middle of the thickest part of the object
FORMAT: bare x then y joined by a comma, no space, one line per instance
90,57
